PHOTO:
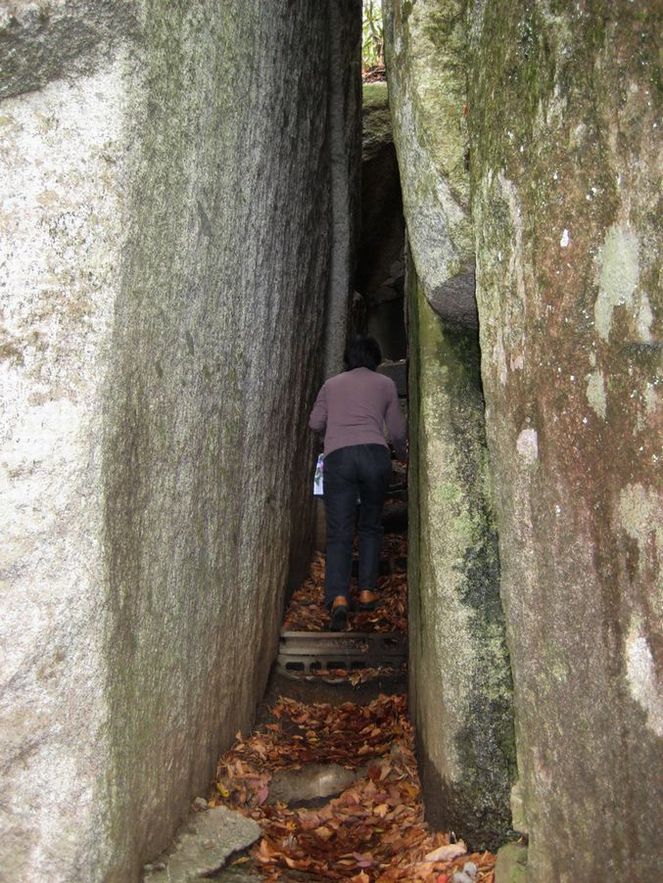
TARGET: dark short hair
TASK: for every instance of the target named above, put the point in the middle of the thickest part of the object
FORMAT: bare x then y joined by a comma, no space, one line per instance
362,352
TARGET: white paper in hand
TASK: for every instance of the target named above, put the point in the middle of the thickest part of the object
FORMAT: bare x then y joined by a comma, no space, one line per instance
317,478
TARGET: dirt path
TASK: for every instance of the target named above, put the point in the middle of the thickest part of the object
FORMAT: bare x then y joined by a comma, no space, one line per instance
329,772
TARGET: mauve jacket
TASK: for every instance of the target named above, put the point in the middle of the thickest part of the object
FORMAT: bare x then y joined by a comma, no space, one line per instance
353,408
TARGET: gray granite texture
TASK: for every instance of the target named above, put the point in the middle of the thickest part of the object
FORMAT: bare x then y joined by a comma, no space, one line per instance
529,147
167,234
565,106
460,680
205,844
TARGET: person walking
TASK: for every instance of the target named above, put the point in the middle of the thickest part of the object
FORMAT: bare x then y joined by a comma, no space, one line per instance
352,409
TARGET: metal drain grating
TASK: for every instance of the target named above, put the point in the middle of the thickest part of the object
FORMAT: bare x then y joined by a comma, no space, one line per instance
306,652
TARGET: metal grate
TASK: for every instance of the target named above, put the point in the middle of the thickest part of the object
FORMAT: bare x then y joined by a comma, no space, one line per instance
307,652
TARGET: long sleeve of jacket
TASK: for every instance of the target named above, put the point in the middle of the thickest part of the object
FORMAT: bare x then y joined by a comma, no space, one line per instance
318,419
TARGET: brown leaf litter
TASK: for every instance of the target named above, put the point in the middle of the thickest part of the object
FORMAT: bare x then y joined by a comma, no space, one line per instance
374,831
307,612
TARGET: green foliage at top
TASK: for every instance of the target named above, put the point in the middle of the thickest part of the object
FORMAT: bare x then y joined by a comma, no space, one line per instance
372,47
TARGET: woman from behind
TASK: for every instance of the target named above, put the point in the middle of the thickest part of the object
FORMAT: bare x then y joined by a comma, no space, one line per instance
352,409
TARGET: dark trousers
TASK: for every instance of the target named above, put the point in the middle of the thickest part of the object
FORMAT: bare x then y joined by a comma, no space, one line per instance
358,472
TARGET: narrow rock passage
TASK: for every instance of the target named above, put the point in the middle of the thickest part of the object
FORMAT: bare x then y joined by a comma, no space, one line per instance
330,773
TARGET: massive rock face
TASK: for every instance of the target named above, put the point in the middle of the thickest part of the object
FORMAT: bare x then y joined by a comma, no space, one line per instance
565,113
166,175
460,677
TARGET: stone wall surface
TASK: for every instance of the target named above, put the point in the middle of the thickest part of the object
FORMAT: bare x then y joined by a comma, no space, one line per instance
425,51
461,688
459,670
565,108
166,241
65,165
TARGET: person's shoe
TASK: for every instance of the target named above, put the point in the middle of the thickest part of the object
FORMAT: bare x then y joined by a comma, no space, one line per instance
367,600
339,613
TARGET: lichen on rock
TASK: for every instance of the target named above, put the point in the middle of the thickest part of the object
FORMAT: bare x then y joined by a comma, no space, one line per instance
168,181
564,109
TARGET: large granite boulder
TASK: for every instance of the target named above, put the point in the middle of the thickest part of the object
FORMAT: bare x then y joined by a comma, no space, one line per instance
166,178
459,669
565,113
425,50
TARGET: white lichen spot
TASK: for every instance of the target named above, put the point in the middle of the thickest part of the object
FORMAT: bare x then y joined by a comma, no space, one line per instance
644,319
565,238
527,445
499,356
517,362
592,360
619,272
651,399
641,677
578,135
596,394
641,517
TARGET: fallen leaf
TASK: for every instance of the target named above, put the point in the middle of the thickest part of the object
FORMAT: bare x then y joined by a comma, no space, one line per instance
446,853
323,833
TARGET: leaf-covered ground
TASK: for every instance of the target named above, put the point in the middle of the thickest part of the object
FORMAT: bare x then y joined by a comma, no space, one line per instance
374,830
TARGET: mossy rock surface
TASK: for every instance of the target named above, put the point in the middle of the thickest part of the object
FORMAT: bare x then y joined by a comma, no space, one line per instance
511,866
564,112
460,677
376,120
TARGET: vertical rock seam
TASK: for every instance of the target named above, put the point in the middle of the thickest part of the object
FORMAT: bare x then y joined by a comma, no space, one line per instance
344,134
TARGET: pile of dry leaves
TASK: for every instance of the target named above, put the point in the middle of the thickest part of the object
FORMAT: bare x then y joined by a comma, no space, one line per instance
374,830
307,613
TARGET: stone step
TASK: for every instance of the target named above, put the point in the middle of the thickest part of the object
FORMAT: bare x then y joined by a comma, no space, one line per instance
307,652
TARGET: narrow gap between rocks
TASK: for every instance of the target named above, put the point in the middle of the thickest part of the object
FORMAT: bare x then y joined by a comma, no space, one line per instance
329,773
